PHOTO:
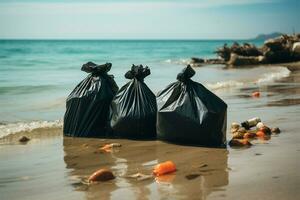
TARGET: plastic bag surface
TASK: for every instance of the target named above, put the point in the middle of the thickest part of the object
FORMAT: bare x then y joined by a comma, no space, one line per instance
134,107
88,105
188,113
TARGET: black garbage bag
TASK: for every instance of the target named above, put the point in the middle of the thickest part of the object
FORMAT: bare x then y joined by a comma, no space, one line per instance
88,105
134,107
188,113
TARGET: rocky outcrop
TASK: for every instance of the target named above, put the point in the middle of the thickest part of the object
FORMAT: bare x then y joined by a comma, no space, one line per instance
285,48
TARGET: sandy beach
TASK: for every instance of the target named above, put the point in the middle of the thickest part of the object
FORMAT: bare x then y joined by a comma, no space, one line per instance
51,166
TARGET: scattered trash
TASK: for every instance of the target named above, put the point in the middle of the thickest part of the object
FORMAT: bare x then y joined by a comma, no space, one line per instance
192,176
140,176
275,130
24,139
109,147
250,123
238,135
242,135
256,94
249,135
164,168
101,175
266,130
239,143
259,125
234,127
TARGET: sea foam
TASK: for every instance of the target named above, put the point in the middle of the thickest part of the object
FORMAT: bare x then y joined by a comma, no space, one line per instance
12,128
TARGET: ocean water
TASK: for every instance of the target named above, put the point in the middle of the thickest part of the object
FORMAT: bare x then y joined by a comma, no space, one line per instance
36,76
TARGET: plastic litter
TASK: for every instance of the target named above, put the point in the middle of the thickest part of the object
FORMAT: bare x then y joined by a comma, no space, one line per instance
256,94
134,107
109,147
87,107
255,130
250,123
164,168
188,113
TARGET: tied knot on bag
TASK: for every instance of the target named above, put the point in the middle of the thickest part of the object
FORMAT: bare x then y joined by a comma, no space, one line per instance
138,71
186,74
95,69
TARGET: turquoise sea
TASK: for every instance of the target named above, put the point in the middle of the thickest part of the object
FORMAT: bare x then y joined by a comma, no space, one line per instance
36,76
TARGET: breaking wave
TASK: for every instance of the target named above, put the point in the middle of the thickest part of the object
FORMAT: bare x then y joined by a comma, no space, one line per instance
181,61
12,128
280,72
277,74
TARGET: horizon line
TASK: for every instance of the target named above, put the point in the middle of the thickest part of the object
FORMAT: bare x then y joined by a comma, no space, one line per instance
109,39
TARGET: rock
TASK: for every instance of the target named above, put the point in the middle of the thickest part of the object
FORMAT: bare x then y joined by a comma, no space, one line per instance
24,139
101,175
296,50
237,60
238,135
234,127
239,143
278,56
274,44
197,60
192,176
249,135
266,130
214,61
242,130
275,130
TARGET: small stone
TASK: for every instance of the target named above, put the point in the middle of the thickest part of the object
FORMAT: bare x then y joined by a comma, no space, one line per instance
192,176
242,130
239,143
249,135
238,135
275,130
235,125
266,130
234,130
24,139
101,175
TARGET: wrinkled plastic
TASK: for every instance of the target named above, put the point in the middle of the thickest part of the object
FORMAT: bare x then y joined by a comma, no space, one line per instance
134,107
188,113
87,108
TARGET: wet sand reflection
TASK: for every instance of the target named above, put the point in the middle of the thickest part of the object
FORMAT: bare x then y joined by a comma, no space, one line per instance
199,170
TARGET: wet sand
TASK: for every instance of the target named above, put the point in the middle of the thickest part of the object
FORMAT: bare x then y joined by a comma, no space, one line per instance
51,166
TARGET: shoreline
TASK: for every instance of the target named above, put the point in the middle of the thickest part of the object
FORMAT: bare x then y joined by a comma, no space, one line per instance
51,166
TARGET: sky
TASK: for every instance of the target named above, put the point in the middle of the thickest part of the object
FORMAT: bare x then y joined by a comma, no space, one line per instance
148,19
